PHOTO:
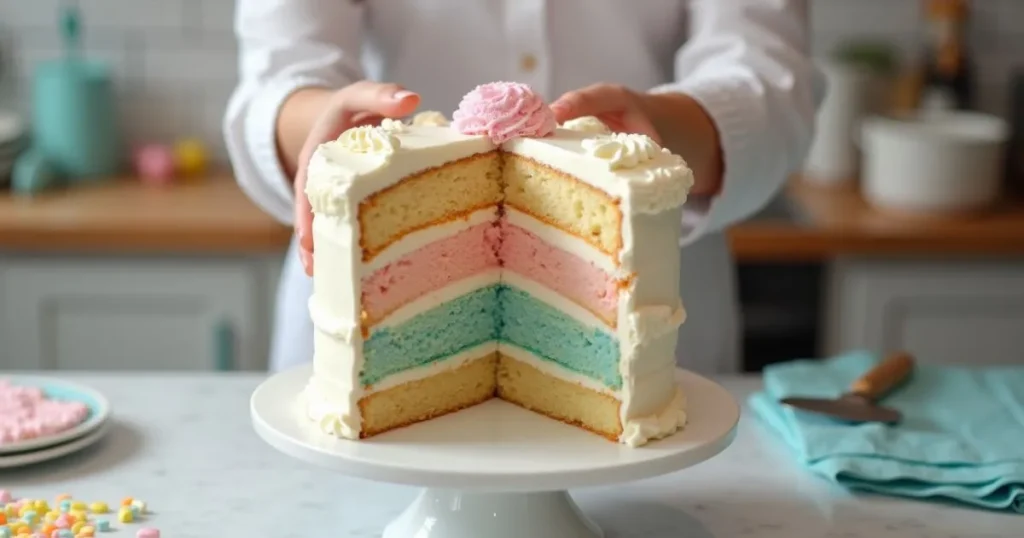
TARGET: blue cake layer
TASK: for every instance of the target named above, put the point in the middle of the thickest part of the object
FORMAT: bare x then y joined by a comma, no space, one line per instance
549,333
447,329
498,312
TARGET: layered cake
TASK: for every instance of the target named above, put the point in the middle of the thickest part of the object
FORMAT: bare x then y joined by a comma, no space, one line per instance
496,255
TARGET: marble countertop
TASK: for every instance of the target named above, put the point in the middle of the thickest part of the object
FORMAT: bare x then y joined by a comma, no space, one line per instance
185,444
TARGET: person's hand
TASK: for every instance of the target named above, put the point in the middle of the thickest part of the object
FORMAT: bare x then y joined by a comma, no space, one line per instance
618,107
674,120
361,103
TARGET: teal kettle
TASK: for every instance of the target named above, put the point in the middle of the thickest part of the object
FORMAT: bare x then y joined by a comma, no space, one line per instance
74,111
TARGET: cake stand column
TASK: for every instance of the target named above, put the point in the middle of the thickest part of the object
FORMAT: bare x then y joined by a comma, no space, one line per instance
441,513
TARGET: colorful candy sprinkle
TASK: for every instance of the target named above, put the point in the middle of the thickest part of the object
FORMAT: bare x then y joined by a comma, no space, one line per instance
33,518
5,496
141,505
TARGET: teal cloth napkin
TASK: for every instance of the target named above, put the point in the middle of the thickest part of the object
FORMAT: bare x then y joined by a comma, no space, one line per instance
961,438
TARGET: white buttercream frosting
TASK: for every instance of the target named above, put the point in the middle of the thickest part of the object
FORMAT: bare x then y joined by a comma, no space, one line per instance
334,416
393,125
647,323
430,117
370,139
587,124
623,150
638,431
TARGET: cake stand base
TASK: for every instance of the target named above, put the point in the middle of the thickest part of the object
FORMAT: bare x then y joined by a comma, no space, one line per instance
458,514
494,470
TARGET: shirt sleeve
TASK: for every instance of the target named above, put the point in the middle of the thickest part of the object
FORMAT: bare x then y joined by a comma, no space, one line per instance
746,62
284,45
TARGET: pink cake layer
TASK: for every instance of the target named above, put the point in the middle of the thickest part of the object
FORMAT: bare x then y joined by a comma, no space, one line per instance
482,247
567,274
431,267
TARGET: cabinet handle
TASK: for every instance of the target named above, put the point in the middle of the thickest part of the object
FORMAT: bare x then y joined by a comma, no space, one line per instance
224,347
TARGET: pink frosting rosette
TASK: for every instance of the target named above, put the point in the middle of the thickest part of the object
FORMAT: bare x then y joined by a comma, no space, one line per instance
504,110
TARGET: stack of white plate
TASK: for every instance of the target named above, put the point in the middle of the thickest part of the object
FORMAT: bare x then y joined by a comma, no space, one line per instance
13,140
42,449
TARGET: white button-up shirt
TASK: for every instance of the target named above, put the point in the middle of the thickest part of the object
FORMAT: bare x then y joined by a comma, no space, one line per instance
744,60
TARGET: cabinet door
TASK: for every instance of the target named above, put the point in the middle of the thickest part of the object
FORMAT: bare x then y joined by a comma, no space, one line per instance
79,314
944,312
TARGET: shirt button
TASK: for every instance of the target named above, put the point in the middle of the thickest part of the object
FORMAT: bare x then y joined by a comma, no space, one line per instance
528,63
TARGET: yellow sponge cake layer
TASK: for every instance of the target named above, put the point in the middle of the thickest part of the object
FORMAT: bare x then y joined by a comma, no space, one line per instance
416,401
430,197
526,386
563,201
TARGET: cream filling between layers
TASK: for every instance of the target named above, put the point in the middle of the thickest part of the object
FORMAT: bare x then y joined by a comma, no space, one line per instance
563,240
555,370
446,364
420,238
431,300
555,300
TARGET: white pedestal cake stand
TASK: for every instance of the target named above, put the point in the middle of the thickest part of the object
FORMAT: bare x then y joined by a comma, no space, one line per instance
494,470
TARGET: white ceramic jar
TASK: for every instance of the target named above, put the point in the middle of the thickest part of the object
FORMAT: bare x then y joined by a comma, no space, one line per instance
944,162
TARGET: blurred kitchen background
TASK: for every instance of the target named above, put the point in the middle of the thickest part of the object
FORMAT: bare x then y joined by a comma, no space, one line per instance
916,243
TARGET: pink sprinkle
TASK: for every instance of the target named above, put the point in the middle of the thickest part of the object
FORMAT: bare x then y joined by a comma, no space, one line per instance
61,522
5,496
502,111
148,532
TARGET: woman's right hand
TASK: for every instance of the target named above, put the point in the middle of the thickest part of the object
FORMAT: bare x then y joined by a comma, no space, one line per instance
357,104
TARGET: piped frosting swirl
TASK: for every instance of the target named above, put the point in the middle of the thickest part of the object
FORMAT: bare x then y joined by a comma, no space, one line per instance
393,125
430,118
587,124
502,111
623,150
370,139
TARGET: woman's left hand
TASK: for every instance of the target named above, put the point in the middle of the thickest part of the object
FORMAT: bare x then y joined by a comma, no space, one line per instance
618,107
674,120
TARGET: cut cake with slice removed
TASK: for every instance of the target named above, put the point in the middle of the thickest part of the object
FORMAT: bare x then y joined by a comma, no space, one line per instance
497,256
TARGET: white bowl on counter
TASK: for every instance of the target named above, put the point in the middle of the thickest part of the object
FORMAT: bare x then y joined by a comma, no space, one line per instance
933,163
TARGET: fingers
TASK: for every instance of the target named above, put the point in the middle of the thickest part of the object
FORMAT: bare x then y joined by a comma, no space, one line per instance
617,106
590,101
388,100
362,103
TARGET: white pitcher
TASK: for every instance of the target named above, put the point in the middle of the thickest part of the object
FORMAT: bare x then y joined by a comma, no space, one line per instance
851,95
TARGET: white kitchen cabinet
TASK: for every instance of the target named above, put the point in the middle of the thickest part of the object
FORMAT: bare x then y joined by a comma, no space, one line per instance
157,314
945,312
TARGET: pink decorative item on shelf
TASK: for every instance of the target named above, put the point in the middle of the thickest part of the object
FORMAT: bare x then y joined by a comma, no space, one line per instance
154,163
502,111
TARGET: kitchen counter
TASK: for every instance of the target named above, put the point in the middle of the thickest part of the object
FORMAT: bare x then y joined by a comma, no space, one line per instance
212,215
209,215
193,456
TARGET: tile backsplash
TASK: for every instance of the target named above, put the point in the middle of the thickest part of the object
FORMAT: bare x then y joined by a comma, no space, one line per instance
175,60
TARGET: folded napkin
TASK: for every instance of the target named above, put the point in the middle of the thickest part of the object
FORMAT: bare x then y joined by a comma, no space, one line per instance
961,438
